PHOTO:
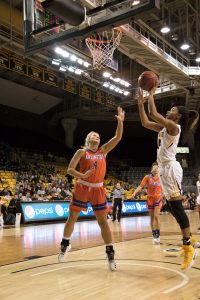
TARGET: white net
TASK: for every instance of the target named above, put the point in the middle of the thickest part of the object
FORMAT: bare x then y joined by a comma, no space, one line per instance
102,47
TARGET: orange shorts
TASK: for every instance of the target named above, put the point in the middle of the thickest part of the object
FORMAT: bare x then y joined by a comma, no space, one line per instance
84,194
153,203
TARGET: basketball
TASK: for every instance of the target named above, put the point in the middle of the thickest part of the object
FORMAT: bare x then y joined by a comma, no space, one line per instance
148,80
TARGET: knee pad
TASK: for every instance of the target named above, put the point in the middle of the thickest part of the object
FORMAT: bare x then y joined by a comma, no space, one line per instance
177,210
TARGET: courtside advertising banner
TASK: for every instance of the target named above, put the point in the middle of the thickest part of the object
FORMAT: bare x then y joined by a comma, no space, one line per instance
60,210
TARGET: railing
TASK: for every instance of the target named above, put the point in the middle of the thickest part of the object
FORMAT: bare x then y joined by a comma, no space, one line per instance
154,42
161,47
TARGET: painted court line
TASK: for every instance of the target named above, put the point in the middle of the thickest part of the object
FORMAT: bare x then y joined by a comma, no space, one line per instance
184,277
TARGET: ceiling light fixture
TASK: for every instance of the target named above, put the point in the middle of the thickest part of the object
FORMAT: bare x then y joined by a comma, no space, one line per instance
135,2
116,89
106,84
185,46
198,57
78,71
63,68
56,62
165,29
73,57
62,52
106,75
86,64
71,69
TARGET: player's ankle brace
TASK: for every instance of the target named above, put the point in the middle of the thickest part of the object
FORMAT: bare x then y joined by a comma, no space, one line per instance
186,241
109,249
154,233
65,242
158,232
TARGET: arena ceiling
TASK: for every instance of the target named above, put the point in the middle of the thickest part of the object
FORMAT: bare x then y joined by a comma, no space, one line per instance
27,99
181,15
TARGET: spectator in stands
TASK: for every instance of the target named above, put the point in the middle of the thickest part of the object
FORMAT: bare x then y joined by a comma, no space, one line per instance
20,197
7,197
55,196
28,197
191,200
11,211
45,198
154,200
118,198
185,201
6,191
35,197
66,193
89,186
169,129
198,198
41,191
2,212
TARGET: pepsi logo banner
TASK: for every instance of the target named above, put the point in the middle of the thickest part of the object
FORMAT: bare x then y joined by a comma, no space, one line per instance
60,210
44,211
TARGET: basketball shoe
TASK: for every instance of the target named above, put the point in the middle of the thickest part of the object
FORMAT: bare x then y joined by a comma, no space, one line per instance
156,236
156,240
189,256
194,244
110,255
64,249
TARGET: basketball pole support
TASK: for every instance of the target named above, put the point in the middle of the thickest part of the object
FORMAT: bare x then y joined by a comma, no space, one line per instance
28,24
109,21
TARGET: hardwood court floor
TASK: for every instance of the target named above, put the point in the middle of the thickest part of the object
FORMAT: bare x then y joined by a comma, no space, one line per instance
29,268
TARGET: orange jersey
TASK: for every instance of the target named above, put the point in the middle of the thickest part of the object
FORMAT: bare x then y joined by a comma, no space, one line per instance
154,188
97,162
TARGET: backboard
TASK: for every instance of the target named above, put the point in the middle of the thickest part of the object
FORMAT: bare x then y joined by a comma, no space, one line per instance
43,29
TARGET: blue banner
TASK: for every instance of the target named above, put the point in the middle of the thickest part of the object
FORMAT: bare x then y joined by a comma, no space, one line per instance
134,207
60,210
45,211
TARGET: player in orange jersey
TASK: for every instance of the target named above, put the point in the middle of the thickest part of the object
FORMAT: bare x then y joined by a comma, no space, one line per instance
89,187
154,200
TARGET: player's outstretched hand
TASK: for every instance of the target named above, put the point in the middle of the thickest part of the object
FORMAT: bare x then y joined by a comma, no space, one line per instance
140,97
152,91
121,114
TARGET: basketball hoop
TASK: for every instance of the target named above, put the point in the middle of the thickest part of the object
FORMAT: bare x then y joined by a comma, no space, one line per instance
102,46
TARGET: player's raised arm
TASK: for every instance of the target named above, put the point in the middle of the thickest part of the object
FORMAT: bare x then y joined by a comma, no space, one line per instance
158,118
118,134
143,116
